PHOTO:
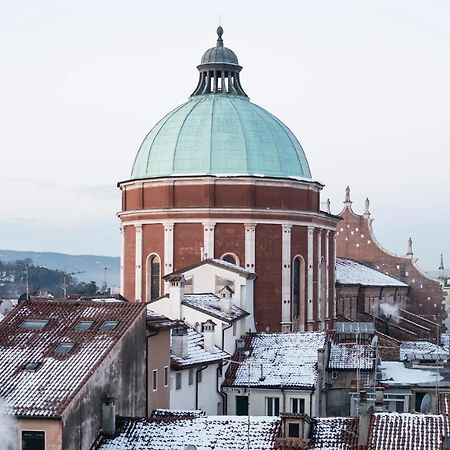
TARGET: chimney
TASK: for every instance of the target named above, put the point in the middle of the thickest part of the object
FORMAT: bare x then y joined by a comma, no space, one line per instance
109,416
208,336
226,297
176,296
364,421
379,391
180,341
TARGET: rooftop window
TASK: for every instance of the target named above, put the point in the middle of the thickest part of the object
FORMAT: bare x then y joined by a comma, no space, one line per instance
31,366
84,325
33,324
64,347
109,325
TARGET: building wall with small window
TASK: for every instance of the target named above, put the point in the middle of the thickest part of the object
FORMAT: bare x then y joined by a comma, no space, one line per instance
270,402
158,373
37,434
186,394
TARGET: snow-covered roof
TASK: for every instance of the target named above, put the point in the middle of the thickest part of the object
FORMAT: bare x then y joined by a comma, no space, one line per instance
279,359
351,357
215,262
335,433
197,353
206,433
420,348
210,304
52,379
158,321
395,372
394,431
352,272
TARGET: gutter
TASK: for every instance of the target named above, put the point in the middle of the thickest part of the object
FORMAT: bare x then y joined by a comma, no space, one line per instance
310,402
196,384
219,390
223,334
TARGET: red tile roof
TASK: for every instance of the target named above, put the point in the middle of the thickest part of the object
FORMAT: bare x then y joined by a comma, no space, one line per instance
393,431
47,390
338,433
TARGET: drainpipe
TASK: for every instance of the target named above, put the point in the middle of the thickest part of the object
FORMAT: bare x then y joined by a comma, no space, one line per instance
196,384
219,388
223,334
284,398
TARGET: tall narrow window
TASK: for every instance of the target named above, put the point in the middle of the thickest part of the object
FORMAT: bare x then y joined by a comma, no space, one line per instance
298,291
154,278
155,379
272,406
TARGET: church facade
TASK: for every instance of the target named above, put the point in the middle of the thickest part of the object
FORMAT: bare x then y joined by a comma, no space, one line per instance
221,178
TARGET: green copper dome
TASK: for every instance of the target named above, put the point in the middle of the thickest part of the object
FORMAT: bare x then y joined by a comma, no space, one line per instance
220,132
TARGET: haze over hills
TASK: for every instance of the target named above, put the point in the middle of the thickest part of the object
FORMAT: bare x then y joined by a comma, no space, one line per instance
92,267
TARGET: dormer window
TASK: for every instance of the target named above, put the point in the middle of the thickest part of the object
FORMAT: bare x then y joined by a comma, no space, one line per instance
109,325
33,324
84,325
64,347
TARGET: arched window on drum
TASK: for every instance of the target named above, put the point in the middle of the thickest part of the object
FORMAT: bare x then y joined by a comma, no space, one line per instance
298,287
231,258
154,277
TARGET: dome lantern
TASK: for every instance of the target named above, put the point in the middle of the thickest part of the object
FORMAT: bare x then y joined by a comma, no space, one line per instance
219,71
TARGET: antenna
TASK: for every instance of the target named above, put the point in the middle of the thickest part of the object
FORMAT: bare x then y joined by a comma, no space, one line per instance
425,404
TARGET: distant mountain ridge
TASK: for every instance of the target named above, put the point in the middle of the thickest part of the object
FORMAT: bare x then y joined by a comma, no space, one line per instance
91,266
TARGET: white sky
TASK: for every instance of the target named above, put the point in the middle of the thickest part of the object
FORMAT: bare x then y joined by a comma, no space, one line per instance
364,85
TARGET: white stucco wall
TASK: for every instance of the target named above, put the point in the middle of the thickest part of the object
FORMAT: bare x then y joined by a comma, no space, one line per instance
208,397
258,400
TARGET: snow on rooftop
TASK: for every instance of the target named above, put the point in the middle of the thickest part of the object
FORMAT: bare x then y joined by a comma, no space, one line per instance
335,433
350,357
420,348
229,265
206,433
196,352
48,385
394,431
352,272
287,359
210,304
396,373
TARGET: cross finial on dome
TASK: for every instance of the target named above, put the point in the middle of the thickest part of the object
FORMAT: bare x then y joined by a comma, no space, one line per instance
219,39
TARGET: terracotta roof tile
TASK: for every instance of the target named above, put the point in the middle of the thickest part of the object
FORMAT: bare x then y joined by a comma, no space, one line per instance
48,389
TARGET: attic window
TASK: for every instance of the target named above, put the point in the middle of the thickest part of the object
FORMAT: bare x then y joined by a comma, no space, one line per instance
33,324
31,366
109,325
84,325
64,347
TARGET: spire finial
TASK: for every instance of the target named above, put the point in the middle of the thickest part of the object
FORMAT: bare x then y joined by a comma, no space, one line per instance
441,270
347,201
410,249
366,209
219,34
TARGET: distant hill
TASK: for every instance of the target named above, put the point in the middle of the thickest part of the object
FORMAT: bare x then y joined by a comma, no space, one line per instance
91,266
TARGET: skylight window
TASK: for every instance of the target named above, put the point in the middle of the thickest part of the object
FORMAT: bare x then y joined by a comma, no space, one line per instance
84,325
33,324
64,347
31,366
109,325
